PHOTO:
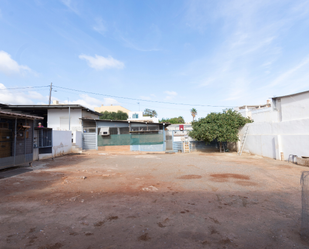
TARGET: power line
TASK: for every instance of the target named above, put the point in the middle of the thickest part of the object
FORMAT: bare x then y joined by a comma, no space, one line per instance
26,87
153,101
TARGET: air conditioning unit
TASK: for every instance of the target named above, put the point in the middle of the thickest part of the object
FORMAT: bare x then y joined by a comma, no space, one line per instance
104,131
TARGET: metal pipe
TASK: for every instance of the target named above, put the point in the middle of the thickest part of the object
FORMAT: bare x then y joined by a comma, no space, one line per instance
69,118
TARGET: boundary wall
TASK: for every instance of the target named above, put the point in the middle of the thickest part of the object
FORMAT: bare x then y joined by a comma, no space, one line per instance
62,144
271,139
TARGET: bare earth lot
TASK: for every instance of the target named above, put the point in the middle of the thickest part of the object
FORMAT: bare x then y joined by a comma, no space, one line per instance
195,200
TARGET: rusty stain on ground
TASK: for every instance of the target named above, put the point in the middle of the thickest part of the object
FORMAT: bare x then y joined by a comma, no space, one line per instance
144,237
110,218
227,176
187,177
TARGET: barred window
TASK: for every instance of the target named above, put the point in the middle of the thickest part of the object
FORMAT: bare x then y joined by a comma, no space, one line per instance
113,131
124,130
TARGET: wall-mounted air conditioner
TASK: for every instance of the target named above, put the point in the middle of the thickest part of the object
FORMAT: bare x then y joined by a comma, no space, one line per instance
104,131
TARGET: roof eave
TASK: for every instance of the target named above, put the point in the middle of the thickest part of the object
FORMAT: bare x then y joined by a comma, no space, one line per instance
124,121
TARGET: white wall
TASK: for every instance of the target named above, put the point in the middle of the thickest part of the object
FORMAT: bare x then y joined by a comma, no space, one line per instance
269,139
58,119
264,115
62,142
295,107
281,128
78,138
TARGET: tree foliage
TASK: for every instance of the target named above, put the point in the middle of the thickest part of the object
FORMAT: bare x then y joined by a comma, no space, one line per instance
120,115
150,113
222,127
175,120
193,112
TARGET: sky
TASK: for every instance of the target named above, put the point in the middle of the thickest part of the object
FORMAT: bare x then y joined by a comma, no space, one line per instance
169,56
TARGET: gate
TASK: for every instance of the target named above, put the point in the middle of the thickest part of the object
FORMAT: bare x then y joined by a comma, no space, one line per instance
169,140
16,142
89,141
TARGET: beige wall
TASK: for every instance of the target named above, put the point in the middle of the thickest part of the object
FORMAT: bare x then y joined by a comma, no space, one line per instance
119,148
111,108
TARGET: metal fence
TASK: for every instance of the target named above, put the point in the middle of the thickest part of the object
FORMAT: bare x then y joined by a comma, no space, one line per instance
16,142
130,139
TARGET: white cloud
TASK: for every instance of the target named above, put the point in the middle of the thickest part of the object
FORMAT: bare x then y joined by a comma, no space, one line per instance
90,102
237,89
99,26
146,41
9,66
71,5
100,63
247,57
133,45
16,97
283,77
170,95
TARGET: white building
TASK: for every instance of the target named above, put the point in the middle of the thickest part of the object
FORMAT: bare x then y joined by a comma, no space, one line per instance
64,119
281,129
139,117
246,110
60,117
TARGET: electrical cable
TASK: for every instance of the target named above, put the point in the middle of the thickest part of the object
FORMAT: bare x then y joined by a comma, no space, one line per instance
26,87
153,101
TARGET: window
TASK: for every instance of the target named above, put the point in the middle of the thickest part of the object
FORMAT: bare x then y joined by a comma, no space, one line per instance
135,115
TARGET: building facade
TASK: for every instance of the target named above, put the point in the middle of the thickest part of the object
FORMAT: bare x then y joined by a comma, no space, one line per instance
139,117
109,135
280,130
111,108
16,137
65,124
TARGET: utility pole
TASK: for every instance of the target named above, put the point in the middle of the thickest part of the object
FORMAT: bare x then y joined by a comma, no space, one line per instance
50,92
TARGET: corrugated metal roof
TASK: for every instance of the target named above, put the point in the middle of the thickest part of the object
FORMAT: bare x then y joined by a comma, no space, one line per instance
124,121
18,115
73,106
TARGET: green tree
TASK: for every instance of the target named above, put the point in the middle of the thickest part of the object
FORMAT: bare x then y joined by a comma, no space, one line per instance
175,120
150,113
119,115
193,113
222,127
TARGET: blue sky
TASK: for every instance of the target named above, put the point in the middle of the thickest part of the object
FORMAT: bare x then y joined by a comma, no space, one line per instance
208,54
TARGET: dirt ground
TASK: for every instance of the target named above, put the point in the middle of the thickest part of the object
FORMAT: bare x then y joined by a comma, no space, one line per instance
196,200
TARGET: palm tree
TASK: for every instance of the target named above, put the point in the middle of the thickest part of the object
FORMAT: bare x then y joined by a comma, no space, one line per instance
193,113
